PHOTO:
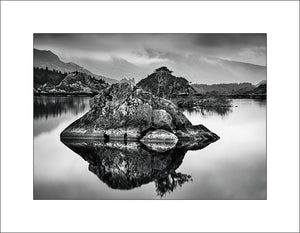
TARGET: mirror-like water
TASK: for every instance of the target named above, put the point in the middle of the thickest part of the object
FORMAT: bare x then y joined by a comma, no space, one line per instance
233,167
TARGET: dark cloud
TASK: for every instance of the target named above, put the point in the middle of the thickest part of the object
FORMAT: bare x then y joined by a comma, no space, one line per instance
232,40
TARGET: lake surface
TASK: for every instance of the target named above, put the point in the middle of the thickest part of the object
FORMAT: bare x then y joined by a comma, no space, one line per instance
234,167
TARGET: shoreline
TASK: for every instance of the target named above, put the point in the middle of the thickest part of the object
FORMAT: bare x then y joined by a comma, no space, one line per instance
65,94
262,97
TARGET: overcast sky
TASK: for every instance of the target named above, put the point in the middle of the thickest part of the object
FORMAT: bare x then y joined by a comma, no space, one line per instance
201,58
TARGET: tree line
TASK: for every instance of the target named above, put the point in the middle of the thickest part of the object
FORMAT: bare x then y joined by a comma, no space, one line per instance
45,75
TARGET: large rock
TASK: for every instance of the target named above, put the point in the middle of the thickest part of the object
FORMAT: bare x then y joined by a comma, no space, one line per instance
162,119
159,135
159,140
123,111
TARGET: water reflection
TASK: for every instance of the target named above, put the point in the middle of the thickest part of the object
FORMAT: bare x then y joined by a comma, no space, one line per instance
127,166
210,111
261,102
50,111
48,106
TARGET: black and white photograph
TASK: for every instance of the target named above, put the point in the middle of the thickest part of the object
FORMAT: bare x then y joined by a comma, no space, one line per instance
148,116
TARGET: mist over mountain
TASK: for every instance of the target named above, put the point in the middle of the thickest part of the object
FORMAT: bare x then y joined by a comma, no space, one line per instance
46,58
197,70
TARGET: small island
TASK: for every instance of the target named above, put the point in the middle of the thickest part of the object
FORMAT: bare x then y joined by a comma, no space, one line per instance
125,112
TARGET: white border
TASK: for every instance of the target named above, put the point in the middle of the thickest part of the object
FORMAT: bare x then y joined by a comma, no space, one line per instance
19,20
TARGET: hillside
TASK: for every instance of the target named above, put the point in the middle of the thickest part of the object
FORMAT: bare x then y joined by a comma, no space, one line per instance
42,76
260,90
261,82
223,88
75,83
47,59
163,84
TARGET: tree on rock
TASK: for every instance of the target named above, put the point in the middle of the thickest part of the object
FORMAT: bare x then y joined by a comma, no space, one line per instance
161,74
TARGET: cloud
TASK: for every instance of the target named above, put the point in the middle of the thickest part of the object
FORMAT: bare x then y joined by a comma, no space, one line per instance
230,39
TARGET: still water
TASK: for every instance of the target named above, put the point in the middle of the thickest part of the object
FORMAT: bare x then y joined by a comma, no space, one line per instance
234,167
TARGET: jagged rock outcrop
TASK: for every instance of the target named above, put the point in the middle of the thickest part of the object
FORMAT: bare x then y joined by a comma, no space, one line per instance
125,112
163,84
74,83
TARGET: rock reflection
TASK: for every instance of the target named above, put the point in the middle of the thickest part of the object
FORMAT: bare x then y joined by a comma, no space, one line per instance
167,184
129,165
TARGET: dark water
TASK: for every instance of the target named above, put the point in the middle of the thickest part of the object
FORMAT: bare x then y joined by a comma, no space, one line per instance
233,167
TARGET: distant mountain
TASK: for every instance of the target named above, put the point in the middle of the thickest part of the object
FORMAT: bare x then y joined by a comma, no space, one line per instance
73,84
261,82
223,88
45,58
259,90
163,84
232,88
236,71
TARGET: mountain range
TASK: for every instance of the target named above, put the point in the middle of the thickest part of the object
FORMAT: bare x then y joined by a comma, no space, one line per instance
47,59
